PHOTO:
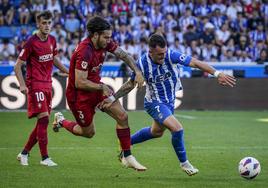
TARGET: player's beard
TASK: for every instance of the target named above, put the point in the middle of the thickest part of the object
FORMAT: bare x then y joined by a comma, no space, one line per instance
100,45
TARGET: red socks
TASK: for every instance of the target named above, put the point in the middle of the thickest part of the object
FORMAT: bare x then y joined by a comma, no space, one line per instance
31,140
124,138
68,125
42,124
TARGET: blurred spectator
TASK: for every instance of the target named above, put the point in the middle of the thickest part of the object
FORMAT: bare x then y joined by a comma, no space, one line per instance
209,51
70,8
223,34
219,5
72,46
53,5
218,19
62,44
233,9
86,7
65,61
171,8
141,48
263,57
190,35
243,57
24,14
129,48
58,31
37,7
72,25
255,20
187,19
228,56
202,8
6,12
208,36
7,51
123,34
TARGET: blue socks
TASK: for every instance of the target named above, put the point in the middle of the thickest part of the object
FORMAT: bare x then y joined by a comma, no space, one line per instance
178,145
141,136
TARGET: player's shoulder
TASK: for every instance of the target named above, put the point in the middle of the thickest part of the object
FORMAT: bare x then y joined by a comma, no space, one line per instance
32,39
52,38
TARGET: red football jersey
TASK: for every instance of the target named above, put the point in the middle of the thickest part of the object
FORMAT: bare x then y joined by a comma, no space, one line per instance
86,58
39,57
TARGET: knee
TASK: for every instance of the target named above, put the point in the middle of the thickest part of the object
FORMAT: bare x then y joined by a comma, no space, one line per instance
122,117
89,134
157,134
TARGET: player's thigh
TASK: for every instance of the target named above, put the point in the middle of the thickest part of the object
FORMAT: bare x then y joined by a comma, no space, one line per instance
158,111
39,101
117,112
172,124
83,113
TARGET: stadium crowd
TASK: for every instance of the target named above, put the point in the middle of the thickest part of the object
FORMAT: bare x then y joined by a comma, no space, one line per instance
211,30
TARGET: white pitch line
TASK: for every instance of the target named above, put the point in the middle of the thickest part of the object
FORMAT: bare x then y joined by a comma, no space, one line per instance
154,148
185,116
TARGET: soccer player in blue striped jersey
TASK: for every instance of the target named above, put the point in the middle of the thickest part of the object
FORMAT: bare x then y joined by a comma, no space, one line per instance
160,70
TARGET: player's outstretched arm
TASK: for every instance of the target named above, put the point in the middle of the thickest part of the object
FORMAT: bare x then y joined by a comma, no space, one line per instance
223,79
121,54
124,90
18,72
60,66
81,82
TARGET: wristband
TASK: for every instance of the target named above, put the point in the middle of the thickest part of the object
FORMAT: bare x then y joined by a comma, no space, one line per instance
112,98
216,73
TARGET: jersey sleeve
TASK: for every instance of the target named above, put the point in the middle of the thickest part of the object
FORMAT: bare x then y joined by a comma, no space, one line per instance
26,51
180,58
111,47
55,48
83,59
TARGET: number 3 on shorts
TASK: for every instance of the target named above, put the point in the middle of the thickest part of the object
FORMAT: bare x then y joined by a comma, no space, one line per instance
81,115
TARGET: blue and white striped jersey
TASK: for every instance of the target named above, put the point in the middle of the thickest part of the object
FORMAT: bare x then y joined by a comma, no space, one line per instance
162,81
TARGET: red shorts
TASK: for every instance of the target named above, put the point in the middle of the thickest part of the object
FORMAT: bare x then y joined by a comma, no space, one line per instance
84,111
39,101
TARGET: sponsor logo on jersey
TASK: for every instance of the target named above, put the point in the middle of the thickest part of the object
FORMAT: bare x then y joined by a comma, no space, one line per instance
46,57
159,78
84,64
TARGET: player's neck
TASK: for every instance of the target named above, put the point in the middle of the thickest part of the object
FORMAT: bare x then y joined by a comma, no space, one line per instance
41,36
94,42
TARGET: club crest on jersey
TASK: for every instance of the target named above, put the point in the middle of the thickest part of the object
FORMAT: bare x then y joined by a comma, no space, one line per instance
51,48
84,64
97,68
39,105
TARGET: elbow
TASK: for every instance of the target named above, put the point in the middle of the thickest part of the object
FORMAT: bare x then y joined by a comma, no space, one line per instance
79,84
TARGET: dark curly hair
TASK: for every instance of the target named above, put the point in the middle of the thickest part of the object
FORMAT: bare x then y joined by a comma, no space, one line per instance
97,24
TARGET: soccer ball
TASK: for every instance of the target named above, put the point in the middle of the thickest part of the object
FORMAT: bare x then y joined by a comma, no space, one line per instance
249,167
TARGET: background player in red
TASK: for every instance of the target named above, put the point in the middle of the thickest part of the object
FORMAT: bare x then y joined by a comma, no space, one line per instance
85,90
39,54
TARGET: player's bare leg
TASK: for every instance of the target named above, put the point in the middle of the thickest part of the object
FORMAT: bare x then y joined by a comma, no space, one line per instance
123,132
176,130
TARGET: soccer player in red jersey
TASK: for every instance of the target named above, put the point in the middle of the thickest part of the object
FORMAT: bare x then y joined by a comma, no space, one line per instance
40,54
85,90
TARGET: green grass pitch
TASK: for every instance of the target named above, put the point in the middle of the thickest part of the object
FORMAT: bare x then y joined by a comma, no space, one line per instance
215,141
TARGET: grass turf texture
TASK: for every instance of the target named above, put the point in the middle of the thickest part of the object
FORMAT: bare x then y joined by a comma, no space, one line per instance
215,143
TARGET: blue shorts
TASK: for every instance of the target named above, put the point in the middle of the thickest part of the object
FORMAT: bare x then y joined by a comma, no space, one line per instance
159,111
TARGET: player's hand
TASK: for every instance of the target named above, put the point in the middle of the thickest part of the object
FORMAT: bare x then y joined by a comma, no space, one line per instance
225,79
139,79
106,91
106,103
24,89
